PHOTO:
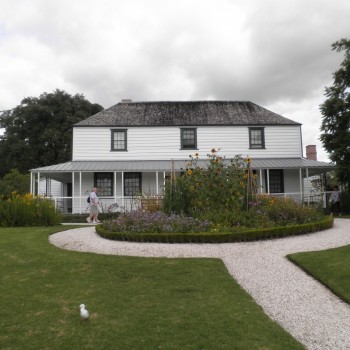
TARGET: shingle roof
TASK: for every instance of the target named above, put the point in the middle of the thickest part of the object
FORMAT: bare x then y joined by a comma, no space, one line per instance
191,113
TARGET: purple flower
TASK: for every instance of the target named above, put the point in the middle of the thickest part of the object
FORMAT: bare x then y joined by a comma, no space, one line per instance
156,222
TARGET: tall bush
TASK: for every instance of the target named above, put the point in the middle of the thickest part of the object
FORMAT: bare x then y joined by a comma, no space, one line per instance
27,210
213,192
14,181
279,211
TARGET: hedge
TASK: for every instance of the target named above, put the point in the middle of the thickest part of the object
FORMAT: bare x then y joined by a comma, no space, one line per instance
209,237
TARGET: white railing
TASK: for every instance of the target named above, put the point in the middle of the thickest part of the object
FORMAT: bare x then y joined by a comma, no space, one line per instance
107,204
120,204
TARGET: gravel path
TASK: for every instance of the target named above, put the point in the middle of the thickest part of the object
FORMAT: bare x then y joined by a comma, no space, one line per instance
306,309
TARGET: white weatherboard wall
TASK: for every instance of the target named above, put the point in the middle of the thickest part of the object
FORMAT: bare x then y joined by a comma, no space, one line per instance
158,143
50,187
291,180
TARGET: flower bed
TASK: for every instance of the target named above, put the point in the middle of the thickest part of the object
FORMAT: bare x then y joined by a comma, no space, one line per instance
140,222
27,210
217,237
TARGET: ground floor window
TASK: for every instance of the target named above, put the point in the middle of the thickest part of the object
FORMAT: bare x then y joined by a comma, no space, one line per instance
276,180
132,184
104,184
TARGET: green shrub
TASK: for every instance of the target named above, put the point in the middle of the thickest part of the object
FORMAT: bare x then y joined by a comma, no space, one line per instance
27,210
14,181
213,192
279,211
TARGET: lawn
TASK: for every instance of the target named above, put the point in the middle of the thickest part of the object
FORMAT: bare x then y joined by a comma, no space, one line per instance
135,303
330,267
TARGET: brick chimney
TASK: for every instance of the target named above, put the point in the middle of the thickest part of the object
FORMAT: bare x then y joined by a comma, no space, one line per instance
126,100
311,152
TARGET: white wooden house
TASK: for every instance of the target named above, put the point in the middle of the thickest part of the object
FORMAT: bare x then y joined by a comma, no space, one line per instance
131,147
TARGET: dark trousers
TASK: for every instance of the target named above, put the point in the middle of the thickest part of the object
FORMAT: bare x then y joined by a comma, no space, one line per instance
335,208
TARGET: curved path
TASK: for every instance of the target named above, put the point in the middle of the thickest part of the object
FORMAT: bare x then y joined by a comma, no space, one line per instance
305,308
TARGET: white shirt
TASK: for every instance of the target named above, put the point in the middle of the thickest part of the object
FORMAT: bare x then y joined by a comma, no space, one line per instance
93,198
335,197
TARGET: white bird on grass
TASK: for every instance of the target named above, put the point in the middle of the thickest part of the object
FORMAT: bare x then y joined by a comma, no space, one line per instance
84,314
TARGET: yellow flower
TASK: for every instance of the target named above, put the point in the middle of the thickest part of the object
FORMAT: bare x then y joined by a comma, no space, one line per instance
248,160
196,155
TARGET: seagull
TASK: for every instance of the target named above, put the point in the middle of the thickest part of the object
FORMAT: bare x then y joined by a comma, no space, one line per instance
83,312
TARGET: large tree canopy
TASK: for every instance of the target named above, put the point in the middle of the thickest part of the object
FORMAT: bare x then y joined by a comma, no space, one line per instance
38,132
336,115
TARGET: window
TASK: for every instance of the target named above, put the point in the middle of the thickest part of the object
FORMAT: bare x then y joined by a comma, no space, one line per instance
132,184
256,138
104,184
119,140
276,180
188,138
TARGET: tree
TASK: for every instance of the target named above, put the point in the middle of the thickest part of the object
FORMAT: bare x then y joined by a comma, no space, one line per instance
14,181
336,116
38,132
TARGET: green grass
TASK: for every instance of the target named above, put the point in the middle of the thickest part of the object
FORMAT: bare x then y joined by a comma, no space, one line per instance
134,303
330,267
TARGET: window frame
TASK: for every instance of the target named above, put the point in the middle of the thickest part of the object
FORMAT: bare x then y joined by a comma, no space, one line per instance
110,177
182,130
262,134
113,132
126,174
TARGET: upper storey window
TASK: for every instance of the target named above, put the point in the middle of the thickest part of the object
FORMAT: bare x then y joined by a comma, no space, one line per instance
256,138
119,140
189,138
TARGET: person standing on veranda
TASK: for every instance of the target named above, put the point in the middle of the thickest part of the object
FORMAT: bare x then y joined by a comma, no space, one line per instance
94,201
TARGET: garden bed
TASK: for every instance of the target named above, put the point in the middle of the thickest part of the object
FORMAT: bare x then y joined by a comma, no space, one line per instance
241,235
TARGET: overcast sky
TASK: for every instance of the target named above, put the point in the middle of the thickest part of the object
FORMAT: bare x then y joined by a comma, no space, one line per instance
276,53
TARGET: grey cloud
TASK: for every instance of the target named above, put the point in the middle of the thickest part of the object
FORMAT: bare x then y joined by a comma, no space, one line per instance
273,53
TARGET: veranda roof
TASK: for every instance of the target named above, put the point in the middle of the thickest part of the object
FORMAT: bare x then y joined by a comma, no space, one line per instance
62,172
